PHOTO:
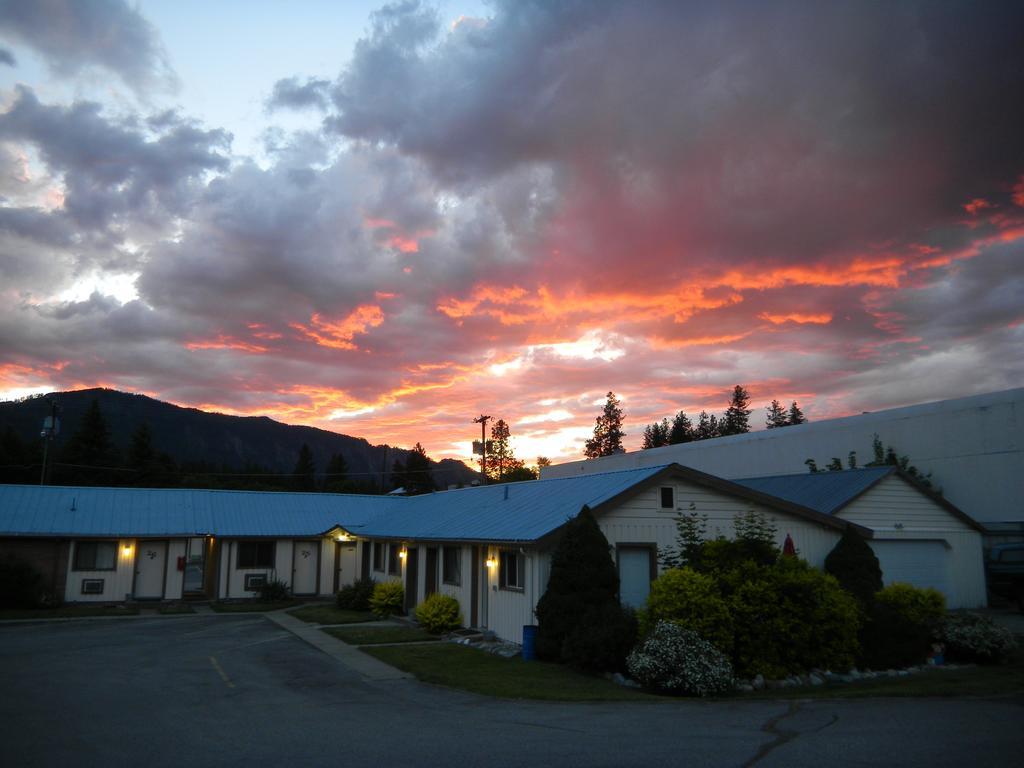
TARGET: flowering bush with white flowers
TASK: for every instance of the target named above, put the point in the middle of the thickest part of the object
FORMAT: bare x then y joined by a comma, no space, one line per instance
972,637
678,660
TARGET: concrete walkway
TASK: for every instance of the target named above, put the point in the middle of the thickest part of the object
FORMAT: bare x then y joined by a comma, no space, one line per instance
348,655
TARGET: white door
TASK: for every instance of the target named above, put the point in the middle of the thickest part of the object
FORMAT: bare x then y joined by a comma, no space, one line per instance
305,562
150,562
634,575
920,563
347,573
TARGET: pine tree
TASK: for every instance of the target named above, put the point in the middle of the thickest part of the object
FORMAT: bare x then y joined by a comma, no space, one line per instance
336,475
418,475
91,450
140,452
737,417
304,474
608,432
681,430
501,460
796,416
714,426
776,416
656,434
855,566
706,427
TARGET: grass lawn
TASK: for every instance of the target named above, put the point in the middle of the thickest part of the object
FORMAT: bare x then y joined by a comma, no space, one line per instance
331,614
69,612
252,607
469,669
175,608
377,635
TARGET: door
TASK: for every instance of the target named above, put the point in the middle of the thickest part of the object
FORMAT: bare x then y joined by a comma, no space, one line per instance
150,565
411,577
346,564
430,585
919,563
195,566
636,568
305,565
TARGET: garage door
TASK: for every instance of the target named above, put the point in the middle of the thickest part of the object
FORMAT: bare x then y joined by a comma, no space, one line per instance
634,575
921,563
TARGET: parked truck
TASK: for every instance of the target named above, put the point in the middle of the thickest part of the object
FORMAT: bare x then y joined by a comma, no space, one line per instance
1004,571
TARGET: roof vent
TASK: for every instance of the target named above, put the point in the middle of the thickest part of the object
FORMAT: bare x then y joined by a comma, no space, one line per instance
506,493
73,504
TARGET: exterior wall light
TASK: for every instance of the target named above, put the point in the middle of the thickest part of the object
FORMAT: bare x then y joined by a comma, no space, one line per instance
491,561
402,553
127,549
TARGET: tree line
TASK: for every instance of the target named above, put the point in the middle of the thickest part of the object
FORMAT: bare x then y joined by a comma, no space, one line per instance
90,457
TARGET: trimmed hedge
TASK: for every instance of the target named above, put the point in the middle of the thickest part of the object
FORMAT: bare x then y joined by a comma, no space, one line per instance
387,599
439,613
900,626
690,600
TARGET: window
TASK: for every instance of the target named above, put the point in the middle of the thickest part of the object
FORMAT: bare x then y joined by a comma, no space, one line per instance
378,556
95,556
256,554
668,500
452,566
510,570
394,564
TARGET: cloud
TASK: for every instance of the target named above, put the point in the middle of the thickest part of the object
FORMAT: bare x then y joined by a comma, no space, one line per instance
74,36
289,93
6,57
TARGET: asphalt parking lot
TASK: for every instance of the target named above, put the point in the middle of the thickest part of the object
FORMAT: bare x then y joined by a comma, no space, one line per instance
240,690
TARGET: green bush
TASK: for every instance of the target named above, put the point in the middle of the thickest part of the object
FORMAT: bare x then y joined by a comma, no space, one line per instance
356,597
582,594
21,586
974,638
791,617
439,613
855,567
900,625
387,599
275,591
690,600
677,660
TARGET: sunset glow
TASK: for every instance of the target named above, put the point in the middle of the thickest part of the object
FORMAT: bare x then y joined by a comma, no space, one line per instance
428,212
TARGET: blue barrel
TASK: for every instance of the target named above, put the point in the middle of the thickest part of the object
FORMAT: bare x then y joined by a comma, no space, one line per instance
529,642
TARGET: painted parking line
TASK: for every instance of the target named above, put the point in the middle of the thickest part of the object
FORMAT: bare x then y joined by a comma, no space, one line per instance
221,672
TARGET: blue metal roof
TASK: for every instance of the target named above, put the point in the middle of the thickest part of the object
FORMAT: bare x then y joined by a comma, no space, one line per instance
825,492
512,512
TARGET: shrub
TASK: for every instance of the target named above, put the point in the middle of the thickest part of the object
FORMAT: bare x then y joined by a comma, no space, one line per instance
692,601
582,589
971,637
900,625
855,567
678,660
603,639
21,586
274,591
387,598
791,617
439,613
356,597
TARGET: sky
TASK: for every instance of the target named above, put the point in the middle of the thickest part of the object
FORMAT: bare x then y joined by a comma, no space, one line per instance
388,219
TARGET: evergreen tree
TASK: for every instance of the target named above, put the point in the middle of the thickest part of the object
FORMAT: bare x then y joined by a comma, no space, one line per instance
418,475
714,426
796,416
500,459
543,461
336,475
737,417
304,474
580,621
681,430
707,427
855,567
656,434
91,451
608,432
140,451
776,416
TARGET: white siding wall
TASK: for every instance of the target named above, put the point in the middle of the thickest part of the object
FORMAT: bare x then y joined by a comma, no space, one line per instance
640,520
232,579
894,509
462,591
509,610
117,584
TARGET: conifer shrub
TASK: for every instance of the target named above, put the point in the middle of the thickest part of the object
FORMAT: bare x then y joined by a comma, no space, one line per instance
972,637
387,599
356,596
579,620
855,567
677,660
690,600
439,613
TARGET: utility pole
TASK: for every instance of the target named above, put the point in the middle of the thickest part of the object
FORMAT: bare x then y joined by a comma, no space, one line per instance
51,428
482,421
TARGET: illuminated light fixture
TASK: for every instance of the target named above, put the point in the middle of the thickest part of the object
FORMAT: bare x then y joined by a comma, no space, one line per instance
402,553
127,549
491,561
342,537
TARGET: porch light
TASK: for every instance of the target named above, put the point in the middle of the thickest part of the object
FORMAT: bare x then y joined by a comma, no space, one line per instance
491,561
402,553
127,549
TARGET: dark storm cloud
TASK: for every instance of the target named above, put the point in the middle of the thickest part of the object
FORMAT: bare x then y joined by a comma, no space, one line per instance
112,168
73,35
289,93
6,57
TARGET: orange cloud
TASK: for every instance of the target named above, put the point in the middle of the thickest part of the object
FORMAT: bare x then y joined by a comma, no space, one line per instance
339,334
1018,193
977,204
796,317
227,342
